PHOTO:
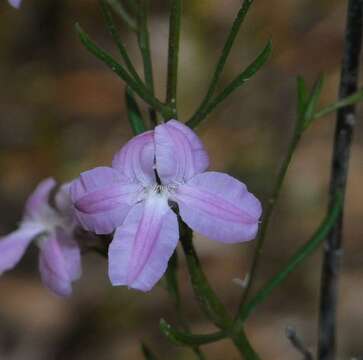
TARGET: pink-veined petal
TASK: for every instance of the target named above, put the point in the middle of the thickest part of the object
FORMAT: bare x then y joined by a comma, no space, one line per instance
53,267
71,254
142,246
39,198
13,246
179,153
136,159
219,207
102,198
200,155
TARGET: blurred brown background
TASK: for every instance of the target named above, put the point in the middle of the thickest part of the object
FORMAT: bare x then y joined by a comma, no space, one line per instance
62,112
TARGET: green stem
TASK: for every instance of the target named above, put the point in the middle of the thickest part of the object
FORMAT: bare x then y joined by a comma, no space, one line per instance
222,60
116,37
241,79
184,338
349,100
144,43
244,346
139,89
119,9
173,54
301,254
269,210
208,300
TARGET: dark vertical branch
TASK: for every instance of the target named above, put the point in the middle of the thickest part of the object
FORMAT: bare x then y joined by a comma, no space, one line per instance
343,137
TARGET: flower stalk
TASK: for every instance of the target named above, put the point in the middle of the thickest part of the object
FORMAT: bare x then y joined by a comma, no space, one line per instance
209,301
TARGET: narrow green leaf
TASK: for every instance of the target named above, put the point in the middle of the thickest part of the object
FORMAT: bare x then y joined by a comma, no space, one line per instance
111,28
118,69
144,42
311,103
302,95
183,338
103,55
198,116
148,354
133,113
120,10
301,254
349,100
241,79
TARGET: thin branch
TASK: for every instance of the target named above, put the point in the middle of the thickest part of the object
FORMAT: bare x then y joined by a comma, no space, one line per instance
173,54
295,260
208,301
343,138
111,28
172,284
144,43
198,115
298,344
120,9
267,217
139,88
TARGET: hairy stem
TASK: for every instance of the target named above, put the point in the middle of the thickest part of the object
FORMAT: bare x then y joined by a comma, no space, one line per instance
343,138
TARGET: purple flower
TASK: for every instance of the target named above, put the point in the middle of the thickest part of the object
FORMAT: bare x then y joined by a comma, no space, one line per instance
135,196
15,3
51,228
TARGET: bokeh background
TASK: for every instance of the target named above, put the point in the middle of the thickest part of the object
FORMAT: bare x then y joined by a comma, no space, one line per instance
62,112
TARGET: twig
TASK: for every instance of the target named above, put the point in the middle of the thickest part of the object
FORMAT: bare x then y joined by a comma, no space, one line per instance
297,343
208,301
343,137
173,54
120,9
199,114
267,217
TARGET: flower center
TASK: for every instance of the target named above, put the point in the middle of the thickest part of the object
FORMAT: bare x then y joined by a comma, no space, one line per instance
164,189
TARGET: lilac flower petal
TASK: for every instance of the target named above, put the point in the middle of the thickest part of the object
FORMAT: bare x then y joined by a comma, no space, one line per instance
13,246
179,152
71,254
136,159
102,198
219,207
53,267
200,155
142,246
38,198
15,3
